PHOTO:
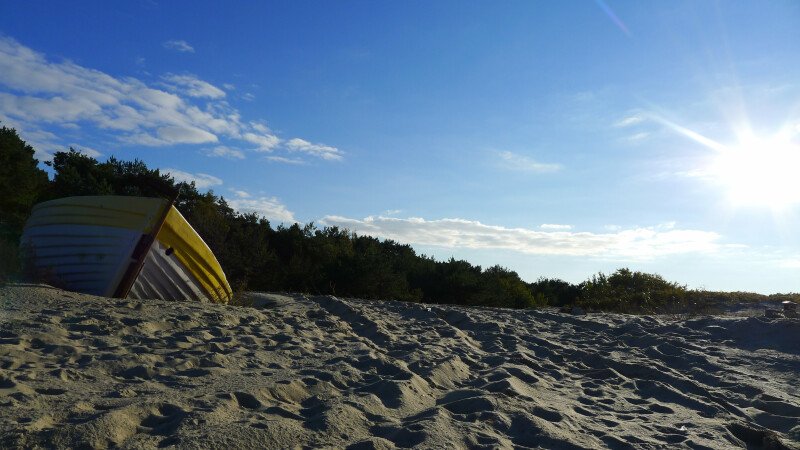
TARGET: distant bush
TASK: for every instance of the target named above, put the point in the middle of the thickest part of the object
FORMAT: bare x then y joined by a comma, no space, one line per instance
635,292
554,292
792,297
718,300
632,292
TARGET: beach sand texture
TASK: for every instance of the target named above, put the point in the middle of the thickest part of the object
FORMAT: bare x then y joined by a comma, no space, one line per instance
321,372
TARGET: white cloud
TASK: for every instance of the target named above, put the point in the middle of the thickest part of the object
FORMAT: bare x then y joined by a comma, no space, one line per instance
265,142
201,180
666,225
248,96
192,86
513,161
88,151
637,243
43,142
319,150
269,207
222,151
553,226
36,93
284,160
638,137
44,92
185,135
629,121
392,212
260,127
240,193
229,86
178,45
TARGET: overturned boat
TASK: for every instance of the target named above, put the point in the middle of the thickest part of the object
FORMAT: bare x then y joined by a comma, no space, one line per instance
124,247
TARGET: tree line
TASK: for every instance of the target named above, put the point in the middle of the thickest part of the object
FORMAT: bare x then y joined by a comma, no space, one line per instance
257,255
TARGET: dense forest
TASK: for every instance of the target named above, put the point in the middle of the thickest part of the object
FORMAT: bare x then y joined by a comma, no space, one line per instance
305,258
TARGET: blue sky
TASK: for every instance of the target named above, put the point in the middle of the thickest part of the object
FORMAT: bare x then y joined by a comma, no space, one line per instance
555,138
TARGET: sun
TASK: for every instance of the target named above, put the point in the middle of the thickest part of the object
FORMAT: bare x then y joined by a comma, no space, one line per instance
760,172
755,171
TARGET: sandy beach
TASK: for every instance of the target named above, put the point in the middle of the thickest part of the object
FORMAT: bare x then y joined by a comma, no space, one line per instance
78,371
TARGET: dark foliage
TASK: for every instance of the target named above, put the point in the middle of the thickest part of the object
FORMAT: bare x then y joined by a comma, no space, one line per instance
632,292
636,292
304,258
78,174
298,258
21,183
554,292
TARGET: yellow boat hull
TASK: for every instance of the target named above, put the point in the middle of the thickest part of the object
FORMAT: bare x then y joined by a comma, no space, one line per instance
123,246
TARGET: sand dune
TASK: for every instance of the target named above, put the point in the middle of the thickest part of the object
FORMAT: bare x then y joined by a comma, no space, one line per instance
311,372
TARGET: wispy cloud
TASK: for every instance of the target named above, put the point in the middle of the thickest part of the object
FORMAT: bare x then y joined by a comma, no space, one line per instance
43,92
88,151
185,135
630,120
44,143
192,86
638,137
554,226
201,180
178,45
38,93
284,160
632,124
637,243
513,161
268,207
318,150
265,142
222,151
260,127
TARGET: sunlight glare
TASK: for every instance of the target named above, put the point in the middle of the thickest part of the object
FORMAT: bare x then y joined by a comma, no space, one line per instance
760,171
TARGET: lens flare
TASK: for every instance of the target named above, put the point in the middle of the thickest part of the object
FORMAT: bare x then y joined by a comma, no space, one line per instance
611,15
755,171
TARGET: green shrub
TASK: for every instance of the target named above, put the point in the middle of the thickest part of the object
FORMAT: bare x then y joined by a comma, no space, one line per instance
634,292
554,292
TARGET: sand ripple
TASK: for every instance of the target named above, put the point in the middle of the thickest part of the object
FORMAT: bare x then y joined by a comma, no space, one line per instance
309,372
